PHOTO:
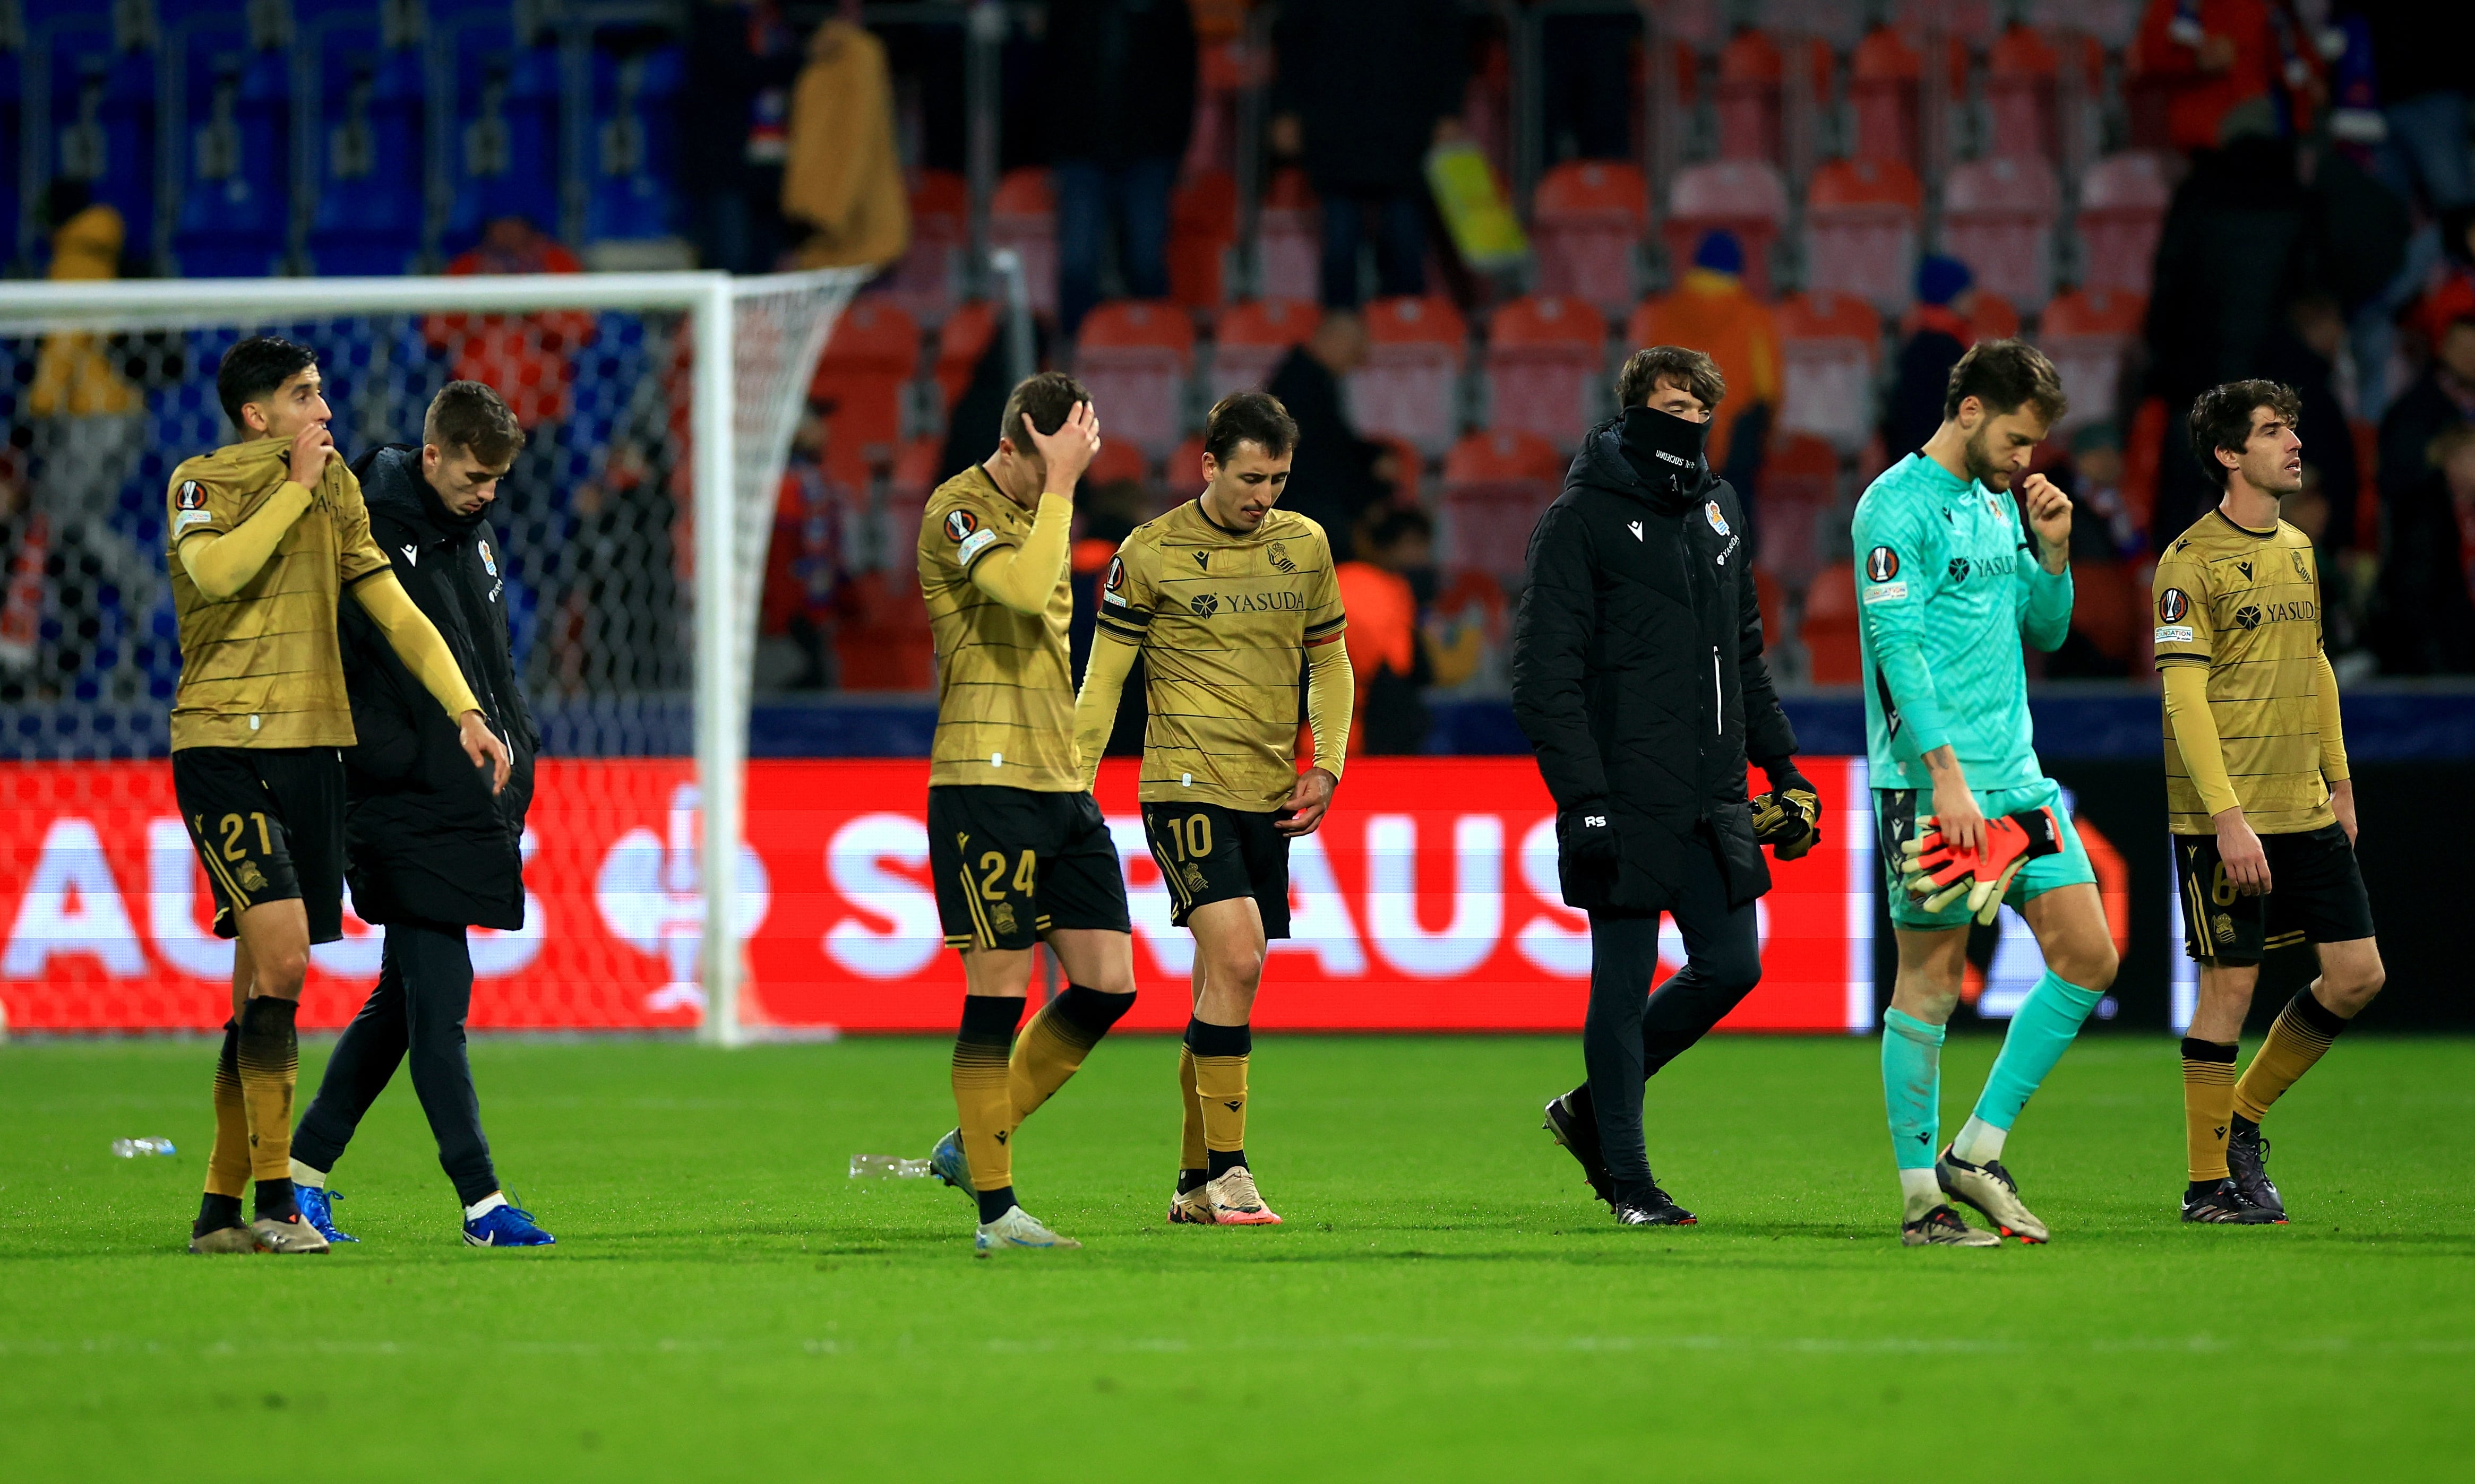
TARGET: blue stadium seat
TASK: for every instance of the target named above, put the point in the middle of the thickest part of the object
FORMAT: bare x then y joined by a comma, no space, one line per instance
101,121
368,171
233,174
632,160
502,140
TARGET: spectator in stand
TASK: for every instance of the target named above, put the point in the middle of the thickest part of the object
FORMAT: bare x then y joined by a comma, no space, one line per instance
2441,398
842,179
1364,90
89,432
2427,622
1119,77
1385,591
2421,54
1713,312
2232,68
2307,352
803,564
1941,334
2449,283
734,115
1337,475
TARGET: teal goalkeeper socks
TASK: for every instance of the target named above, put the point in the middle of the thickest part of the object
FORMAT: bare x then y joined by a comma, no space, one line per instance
1912,1087
2039,1034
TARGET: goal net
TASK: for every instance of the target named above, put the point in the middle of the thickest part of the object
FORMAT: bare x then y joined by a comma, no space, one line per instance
633,536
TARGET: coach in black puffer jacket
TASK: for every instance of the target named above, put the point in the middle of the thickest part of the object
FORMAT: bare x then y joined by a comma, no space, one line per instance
1637,673
430,853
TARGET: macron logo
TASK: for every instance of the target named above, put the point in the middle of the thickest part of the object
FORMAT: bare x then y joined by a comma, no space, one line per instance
1635,527
411,555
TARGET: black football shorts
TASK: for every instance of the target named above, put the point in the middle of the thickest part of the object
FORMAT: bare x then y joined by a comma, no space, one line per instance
1210,853
269,824
1013,864
2316,896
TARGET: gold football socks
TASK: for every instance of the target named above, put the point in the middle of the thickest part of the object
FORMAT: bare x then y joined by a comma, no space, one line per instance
2208,1106
1219,1055
269,1060
1052,1047
228,1162
982,1099
2302,1032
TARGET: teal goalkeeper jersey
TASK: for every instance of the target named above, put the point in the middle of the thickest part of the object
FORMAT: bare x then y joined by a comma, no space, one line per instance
1946,584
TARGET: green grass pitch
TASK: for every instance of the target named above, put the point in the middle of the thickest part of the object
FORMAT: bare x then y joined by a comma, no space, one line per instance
1444,1301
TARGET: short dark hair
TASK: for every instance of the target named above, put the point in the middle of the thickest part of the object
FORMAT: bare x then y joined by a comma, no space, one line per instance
1690,370
1248,417
2006,376
470,415
1049,399
254,368
2222,419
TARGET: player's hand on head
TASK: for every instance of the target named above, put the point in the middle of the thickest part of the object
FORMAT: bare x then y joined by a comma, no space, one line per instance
1308,802
1071,450
483,747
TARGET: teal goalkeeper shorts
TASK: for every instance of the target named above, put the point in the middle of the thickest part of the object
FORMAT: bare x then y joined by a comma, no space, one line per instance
1895,822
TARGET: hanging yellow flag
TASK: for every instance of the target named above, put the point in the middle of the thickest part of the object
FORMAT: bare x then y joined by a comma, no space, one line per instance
1486,232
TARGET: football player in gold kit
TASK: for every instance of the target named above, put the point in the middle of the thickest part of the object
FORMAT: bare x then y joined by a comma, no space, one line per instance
265,535
2258,795
1017,849
1225,598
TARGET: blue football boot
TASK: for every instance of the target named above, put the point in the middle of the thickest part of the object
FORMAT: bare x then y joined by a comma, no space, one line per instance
318,1209
947,1161
505,1226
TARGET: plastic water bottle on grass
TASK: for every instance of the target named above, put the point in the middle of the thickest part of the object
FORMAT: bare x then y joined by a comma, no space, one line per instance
887,1167
131,1148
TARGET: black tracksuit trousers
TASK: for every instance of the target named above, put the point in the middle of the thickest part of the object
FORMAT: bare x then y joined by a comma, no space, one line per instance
1630,1033
423,992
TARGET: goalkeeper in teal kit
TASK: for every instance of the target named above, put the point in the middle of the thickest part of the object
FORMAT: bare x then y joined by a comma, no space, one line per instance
1946,585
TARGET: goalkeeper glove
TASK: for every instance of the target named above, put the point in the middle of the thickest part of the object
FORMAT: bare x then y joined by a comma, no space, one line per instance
1788,818
1939,874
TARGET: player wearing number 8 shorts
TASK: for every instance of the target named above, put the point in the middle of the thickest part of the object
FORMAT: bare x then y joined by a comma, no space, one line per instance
1019,851
1226,599
2258,795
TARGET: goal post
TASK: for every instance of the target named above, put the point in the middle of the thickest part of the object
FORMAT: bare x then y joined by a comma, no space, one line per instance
751,345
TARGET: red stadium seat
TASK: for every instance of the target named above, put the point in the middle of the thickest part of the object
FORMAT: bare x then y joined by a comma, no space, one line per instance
1022,215
1182,477
1136,356
961,341
1994,317
2122,210
1743,196
1202,228
2023,69
1998,218
1831,345
2085,334
881,641
1769,601
867,364
1860,230
1289,240
1831,654
1546,362
1117,462
1252,338
1748,98
924,281
1410,384
1800,491
1587,219
1496,486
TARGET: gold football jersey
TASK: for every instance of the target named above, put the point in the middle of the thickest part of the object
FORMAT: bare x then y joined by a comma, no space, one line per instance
2247,604
1224,621
263,668
1005,681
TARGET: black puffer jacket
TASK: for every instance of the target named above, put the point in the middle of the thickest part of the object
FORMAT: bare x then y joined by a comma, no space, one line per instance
426,841
1638,668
